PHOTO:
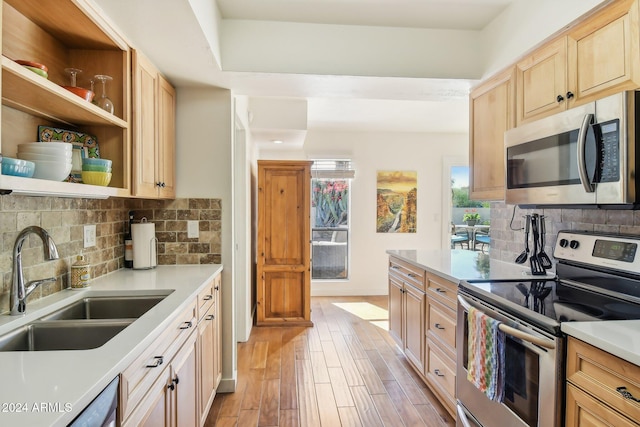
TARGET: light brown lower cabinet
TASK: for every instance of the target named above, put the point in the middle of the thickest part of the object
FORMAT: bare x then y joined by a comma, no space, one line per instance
406,310
209,351
173,382
171,401
601,388
422,321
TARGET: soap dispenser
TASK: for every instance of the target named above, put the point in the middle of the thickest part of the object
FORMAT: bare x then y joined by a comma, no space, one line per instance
80,276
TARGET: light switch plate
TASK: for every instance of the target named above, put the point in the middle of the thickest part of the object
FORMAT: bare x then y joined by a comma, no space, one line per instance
193,229
89,236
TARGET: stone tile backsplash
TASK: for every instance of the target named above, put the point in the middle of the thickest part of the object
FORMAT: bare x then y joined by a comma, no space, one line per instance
64,219
507,237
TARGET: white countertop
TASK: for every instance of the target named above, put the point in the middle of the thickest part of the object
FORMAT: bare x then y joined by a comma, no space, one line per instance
460,264
618,337
75,378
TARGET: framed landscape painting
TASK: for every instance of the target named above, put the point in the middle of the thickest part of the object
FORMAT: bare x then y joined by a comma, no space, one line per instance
397,193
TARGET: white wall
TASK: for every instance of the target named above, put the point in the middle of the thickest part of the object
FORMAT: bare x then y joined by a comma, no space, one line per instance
350,50
371,152
204,169
525,24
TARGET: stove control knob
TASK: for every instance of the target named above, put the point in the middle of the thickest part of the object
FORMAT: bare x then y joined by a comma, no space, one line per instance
564,243
574,244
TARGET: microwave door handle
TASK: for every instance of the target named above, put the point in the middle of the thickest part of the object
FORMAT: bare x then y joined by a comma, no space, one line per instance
513,331
582,164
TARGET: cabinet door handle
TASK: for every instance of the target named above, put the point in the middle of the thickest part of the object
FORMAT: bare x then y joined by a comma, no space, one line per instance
163,185
210,317
441,291
217,288
438,372
569,95
439,326
208,297
186,325
560,98
623,391
171,386
176,380
158,361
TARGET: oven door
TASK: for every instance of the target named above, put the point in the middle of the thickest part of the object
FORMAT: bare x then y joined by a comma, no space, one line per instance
534,373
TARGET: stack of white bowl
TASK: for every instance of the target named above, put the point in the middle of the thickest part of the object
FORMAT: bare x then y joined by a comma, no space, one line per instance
52,159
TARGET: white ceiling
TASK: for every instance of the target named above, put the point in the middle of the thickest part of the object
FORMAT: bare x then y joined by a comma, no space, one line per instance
443,14
165,31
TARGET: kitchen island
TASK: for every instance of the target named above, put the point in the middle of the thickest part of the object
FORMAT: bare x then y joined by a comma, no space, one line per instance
50,388
423,288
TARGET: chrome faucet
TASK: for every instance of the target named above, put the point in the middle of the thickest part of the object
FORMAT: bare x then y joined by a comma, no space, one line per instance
19,293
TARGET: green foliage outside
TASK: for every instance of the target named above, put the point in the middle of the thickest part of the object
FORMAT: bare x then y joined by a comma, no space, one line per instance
460,198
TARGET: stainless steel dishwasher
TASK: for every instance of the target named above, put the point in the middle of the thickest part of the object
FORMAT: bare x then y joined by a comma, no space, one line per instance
101,412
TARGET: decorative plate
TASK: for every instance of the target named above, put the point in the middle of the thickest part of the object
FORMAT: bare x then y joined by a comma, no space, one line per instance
84,145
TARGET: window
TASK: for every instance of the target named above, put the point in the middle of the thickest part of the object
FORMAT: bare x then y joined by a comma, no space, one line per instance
330,186
470,219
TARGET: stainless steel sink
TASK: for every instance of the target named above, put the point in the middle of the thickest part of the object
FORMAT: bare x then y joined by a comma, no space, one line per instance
118,307
62,335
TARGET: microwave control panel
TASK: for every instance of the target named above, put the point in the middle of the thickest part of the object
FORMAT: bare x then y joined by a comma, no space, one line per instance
609,151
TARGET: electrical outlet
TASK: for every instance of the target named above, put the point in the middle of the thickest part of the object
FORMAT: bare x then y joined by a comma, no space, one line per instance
89,235
193,229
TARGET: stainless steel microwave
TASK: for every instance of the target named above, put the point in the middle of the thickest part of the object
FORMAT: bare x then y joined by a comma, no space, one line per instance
583,156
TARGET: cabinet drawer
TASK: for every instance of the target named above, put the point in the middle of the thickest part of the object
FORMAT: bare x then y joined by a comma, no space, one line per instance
407,272
442,290
441,372
601,373
441,324
136,379
584,410
206,298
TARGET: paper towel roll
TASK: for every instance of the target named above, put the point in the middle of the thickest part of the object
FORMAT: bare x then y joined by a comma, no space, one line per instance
143,235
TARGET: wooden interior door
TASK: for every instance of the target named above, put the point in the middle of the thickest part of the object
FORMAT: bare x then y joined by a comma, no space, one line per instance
284,233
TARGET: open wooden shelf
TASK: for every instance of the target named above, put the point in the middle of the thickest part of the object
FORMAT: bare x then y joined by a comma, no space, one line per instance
75,23
26,91
43,187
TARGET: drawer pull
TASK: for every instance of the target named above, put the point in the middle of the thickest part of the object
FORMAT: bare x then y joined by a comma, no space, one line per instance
187,325
439,326
395,267
158,361
438,372
441,291
411,275
623,391
208,297
210,317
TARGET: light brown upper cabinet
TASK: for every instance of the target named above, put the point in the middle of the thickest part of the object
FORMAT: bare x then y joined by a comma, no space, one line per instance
154,139
284,232
491,114
596,58
64,34
542,82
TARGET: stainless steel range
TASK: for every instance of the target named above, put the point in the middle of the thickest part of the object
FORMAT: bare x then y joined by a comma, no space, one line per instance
598,278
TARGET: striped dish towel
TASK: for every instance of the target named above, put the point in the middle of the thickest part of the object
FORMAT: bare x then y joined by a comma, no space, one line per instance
486,355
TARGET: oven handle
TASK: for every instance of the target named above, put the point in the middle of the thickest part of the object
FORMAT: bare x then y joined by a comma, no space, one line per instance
582,165
462,416
542,342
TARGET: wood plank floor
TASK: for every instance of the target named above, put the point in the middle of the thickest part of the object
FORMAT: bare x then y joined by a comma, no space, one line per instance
344,371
